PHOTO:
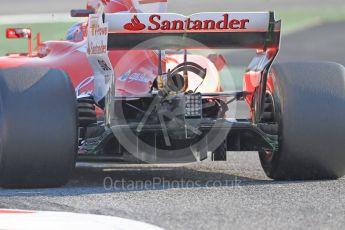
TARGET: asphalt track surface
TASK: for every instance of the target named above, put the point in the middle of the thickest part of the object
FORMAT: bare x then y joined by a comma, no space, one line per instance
231,195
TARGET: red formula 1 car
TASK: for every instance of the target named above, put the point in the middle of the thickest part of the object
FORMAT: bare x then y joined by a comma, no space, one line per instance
124,88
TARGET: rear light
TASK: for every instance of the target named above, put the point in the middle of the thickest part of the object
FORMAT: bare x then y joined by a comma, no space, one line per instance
193,108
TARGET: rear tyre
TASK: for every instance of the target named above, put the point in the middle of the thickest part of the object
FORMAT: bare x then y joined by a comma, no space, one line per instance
38,120
309,101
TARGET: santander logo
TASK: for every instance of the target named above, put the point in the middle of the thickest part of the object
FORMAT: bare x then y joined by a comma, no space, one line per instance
134,25
156,24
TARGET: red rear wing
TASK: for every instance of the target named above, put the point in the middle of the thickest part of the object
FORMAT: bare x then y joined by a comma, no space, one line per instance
257,30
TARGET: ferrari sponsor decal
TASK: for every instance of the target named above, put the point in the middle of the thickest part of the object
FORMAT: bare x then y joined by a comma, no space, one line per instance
104,65
103,74
97,55
201,22
134,25
97,36
130,77
155,23
25,220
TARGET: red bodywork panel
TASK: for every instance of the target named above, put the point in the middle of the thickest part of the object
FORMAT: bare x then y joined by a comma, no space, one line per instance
135,70
141,66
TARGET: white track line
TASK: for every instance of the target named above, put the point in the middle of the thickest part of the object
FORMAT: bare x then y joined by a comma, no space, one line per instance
36,220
